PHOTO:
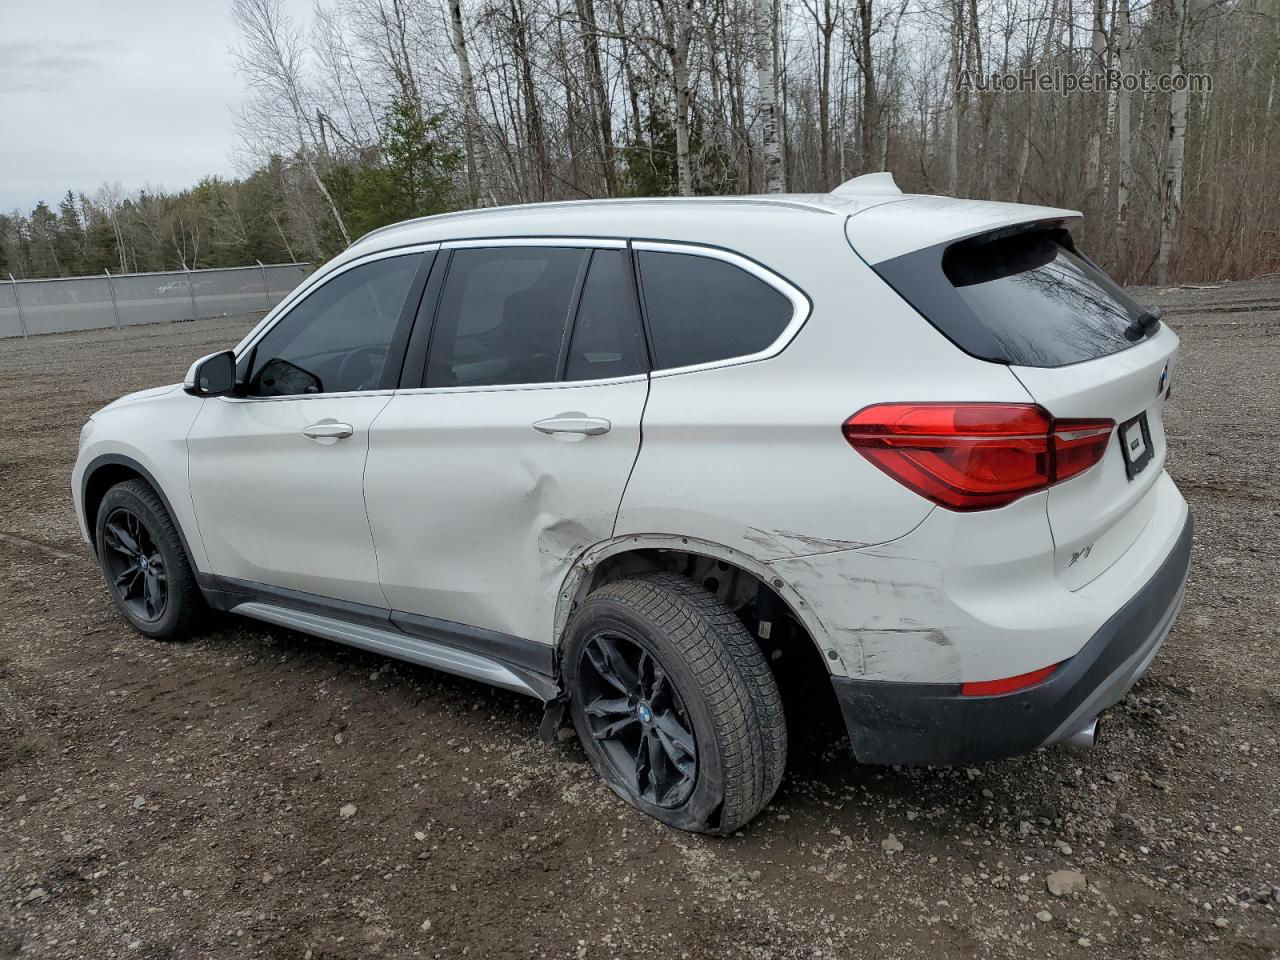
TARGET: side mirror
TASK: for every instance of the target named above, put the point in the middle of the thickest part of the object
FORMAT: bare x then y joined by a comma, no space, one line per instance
212,376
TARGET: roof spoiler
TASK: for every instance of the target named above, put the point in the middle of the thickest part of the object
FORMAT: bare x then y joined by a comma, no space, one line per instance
880,184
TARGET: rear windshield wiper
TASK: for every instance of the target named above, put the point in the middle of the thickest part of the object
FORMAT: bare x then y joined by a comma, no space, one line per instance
1144,325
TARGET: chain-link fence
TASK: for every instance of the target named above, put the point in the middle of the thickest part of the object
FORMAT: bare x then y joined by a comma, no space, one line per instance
29,307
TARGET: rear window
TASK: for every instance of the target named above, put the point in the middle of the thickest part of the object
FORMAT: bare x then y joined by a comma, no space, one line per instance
701,309
1028,299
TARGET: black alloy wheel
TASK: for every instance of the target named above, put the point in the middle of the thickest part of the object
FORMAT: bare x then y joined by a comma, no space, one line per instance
635,713
673,702
134,567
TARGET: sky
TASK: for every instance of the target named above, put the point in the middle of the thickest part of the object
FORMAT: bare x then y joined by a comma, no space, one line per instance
135,91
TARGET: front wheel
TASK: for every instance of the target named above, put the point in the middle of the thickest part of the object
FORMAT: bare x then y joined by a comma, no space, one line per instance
145,566
674,703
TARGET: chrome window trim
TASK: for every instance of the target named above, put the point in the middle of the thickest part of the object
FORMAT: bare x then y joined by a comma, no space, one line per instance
581,243
801,305
504,387
346,394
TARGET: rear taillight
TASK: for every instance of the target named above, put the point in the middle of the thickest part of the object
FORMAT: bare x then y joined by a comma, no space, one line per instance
975,456
1078,445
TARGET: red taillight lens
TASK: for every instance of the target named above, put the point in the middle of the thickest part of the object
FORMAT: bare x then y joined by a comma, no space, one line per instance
975,456
1078,445
989,688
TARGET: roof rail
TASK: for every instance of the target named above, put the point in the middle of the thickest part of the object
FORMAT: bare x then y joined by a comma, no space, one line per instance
869,183
776,200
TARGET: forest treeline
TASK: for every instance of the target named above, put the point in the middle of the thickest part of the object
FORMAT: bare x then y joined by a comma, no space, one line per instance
379,110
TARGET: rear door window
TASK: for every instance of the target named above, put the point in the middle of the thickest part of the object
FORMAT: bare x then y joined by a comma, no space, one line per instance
607,339
503,316
1028,299
701,309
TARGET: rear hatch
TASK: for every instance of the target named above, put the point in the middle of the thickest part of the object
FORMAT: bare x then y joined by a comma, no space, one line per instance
1098,515
1017,292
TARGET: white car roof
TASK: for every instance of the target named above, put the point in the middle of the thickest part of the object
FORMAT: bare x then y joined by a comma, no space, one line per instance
880,226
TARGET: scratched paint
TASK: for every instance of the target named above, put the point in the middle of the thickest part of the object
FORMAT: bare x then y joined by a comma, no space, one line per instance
951,602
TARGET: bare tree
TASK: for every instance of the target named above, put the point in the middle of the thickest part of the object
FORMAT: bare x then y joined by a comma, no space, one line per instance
768,94
1124,142
956,94
871,132
1097,116
270,58
1175,148
678,21
535,132
601,107
552,99
109,198
477,149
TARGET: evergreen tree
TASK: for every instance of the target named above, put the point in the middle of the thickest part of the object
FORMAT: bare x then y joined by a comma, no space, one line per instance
650,163
413,179
43,235
69,238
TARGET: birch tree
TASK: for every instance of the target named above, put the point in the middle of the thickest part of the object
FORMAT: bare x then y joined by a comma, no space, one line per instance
1124,142
1175,147
956,95
678,17
270,58
768,94
476,149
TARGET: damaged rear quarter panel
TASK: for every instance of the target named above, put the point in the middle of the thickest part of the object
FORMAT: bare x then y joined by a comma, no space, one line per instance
750,457
576,585
962,597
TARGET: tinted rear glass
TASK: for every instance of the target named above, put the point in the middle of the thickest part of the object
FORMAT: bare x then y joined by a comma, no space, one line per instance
701,309
607,339
502,316
1027,299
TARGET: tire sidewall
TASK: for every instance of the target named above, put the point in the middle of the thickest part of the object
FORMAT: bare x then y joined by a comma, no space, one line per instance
122,497
602,615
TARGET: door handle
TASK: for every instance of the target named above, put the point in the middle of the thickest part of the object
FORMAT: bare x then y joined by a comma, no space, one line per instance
329,431
574,423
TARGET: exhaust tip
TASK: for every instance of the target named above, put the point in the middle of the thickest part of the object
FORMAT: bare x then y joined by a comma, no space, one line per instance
1086,736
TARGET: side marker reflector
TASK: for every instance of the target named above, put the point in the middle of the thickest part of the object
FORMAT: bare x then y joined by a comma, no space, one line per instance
989,688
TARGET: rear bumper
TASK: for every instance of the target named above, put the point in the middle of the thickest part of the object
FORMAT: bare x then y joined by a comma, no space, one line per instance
931,723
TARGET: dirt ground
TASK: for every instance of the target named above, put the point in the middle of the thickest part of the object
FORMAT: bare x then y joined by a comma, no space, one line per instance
183,801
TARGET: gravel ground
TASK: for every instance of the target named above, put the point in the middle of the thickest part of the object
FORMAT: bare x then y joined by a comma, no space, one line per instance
256,793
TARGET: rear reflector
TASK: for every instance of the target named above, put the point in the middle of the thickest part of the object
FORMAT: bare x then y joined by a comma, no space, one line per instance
989,688
975,456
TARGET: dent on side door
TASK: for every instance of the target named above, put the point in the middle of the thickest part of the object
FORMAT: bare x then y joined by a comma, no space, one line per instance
478,514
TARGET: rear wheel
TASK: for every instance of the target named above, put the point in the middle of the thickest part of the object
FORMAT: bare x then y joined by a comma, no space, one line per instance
674,703
145,566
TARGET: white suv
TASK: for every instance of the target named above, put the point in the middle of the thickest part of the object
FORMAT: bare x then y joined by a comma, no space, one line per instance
623,456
